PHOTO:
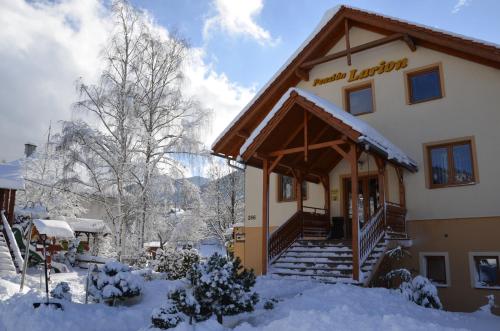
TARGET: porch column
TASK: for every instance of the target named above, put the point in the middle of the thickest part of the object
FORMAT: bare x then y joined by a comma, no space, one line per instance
10,211
401,184
326,187
353,159
299,193
265,214
381,179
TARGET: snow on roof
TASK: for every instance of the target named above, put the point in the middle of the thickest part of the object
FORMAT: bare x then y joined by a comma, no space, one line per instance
329,14
53,228
368,133
152,244
11,175
87,225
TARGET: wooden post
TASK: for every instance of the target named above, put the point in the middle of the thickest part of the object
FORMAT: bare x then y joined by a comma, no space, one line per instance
298,192
353,159
12,202
265,214
402,191
306,148
347,42
325,180
2,198
381,179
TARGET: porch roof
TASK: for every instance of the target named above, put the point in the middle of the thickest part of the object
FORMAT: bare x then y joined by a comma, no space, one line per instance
347,125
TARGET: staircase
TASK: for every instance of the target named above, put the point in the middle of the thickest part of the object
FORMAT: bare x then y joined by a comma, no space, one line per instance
325,260
7,266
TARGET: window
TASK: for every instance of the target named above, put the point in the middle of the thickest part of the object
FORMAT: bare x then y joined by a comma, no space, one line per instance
424,84
287,188
435,266
451,163
359,99
485,269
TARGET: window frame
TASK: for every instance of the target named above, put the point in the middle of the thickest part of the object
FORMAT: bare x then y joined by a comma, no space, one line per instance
356,87
422,70
472,269
449,144
294,194
423,266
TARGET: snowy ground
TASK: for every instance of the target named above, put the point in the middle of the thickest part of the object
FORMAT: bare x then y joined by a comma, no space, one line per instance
302,305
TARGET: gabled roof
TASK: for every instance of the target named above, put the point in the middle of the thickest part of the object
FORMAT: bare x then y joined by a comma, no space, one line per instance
363,132
328,32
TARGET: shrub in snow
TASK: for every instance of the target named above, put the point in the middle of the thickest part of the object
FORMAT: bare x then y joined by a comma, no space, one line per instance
404,275
142,261
166,317
70,256
61,291
421,291
114,281
218,287
176,263
490,305
269,304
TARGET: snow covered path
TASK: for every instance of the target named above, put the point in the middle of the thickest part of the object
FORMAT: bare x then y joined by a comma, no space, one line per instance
303,305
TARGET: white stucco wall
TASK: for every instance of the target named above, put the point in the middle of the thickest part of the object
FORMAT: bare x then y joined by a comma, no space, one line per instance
470,107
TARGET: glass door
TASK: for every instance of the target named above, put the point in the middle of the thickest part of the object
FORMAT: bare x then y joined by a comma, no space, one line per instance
368,199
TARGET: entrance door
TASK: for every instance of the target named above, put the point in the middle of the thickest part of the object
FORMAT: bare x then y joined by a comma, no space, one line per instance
368,200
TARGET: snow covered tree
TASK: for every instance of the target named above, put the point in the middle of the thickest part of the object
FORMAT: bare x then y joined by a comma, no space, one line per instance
176,263
114,281
223,200
61,291
49,183
141,123
218,287
167,316
421,291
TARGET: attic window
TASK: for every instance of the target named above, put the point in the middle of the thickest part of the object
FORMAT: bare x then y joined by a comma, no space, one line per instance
359,99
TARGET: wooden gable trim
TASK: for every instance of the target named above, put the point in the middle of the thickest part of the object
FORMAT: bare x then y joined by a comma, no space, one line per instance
230,143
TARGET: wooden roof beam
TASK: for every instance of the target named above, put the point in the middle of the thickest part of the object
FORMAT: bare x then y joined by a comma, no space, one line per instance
332,143
382,41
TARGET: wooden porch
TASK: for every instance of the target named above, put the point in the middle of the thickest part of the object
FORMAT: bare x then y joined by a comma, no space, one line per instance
307,141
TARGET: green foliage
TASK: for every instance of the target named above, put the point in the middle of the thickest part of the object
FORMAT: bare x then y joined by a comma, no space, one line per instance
217,287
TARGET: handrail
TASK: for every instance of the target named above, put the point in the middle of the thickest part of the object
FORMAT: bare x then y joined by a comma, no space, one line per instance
285,235
323,210
12,241
371,234
395,217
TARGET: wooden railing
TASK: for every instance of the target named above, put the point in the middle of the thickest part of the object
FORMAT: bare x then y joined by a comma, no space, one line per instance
370,235
395,217
285,235
301,224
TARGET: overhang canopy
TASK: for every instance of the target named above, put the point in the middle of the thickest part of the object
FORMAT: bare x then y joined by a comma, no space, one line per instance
328,32
301,121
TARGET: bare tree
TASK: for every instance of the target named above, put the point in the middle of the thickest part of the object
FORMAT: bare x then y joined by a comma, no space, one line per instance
145,126
168,121
105,152
223,200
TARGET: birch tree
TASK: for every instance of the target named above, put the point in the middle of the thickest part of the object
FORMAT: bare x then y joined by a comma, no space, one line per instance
168,122
223,200
104,151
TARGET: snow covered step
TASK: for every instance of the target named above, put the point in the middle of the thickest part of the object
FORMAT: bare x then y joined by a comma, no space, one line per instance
7,266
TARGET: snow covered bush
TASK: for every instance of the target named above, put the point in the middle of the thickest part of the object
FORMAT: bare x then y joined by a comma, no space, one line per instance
421,291
61,291
142,260
114,281
166,317
176,263
70,255
218,287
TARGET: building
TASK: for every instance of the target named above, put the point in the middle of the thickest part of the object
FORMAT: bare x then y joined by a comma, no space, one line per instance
403,116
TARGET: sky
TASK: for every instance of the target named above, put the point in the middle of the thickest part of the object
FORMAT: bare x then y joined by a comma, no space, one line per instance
235,47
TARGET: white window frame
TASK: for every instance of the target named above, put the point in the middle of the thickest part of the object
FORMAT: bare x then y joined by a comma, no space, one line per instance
423,266
472,269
